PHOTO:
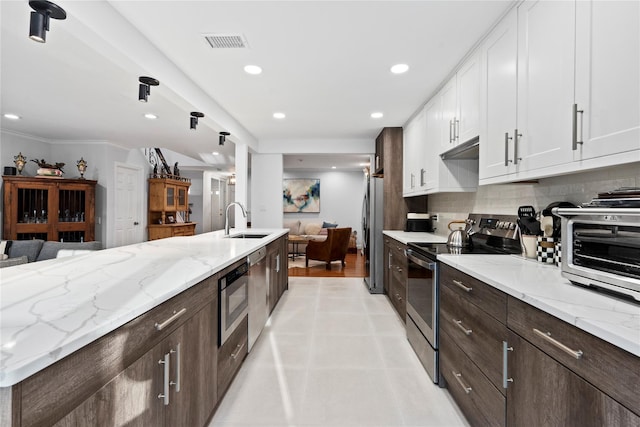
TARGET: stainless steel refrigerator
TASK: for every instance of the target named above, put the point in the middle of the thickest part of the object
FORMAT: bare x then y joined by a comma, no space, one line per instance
372,242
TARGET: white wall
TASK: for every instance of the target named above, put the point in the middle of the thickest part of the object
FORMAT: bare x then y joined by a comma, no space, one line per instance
341,196
505,198
266,191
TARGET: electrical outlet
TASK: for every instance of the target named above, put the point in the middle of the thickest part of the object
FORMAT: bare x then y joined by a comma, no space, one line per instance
434,217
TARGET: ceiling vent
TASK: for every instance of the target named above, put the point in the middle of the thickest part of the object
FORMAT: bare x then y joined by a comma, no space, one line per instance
226,41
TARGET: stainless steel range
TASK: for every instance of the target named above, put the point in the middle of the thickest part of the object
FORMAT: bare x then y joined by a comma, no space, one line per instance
490,234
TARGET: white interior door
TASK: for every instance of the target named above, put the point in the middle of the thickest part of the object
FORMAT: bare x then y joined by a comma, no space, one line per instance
217,204
128,205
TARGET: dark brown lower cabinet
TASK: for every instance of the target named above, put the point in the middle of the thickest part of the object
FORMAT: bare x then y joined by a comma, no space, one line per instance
277,270
173,384
546,393
231,355
395,275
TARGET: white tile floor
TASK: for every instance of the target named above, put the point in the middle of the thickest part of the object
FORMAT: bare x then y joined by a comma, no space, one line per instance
334,355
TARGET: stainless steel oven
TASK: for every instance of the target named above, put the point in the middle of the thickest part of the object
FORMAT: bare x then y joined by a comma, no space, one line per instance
422,309
601,248
234,300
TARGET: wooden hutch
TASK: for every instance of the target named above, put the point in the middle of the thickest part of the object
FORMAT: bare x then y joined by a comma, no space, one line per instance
49,208
169,207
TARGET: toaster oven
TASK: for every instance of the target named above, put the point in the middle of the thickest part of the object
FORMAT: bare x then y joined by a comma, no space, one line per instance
601,248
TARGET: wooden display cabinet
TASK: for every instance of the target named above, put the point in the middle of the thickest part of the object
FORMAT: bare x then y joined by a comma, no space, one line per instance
169,201
55,209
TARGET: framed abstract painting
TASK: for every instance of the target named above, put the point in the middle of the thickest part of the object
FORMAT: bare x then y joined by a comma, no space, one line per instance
301,195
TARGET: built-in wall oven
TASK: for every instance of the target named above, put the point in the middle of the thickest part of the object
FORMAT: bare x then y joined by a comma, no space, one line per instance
491,234
233,299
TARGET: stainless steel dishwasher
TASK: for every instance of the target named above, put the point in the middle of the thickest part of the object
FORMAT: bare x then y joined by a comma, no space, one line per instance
258,294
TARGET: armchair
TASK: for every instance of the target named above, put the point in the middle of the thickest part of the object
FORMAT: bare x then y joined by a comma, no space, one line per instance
332,249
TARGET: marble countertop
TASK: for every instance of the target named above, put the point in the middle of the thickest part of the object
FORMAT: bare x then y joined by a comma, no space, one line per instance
49,309
542,286
406,237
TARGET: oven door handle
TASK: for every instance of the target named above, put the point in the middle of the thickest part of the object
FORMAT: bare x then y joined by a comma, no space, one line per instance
421,262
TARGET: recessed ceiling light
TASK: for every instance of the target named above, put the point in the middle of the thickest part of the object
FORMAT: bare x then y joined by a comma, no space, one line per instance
252,69
399,68
376,115
215,153
11,116
333,167
279,115
151,116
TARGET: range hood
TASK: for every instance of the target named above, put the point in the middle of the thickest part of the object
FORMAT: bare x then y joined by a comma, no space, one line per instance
467,150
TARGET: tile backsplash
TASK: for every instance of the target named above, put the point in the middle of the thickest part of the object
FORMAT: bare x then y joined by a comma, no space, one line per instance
505,198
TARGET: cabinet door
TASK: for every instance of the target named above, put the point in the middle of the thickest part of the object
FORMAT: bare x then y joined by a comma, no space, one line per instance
130,399
170,197
544,392
468,112
272,275
414,158
499,65
433,136
181,198
193,363
448,105
607,77
545,82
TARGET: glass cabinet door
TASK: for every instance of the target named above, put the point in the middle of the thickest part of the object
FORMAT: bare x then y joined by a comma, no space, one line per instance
170,199
182,198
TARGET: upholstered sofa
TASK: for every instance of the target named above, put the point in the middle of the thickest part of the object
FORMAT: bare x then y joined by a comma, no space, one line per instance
312,230
23,251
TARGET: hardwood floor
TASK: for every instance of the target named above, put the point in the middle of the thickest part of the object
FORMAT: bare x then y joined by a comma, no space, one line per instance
354,268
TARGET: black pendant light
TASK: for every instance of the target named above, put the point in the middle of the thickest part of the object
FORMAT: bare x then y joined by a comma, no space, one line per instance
39,24
195,115
223,137
144,90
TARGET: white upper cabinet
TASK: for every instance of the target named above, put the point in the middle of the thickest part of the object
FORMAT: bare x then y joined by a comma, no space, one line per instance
576,70
468,112
499,96
607,79
545,83
460,102
410,148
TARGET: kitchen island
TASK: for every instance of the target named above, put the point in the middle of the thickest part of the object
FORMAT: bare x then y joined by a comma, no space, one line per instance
53,310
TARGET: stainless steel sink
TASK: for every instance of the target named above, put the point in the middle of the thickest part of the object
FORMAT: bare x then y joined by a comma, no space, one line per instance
247,236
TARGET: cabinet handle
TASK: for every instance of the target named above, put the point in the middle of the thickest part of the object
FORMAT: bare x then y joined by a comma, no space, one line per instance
461,326
398,297
235,354
450,132
574,127
176,315
462,286
505,379
547,337
389,262
412,180
516,135
165,394
458,377
506,149
377,162
456,129
178,367
278,263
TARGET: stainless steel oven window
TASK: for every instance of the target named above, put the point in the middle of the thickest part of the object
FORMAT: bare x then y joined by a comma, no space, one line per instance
234,305
422,295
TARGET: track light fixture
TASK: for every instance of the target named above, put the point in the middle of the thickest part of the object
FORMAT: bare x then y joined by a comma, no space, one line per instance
223,137
195,115
39,24
144,90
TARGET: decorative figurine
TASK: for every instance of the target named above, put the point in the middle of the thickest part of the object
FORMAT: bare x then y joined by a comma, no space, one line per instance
176,171
20,161
82,167
155,170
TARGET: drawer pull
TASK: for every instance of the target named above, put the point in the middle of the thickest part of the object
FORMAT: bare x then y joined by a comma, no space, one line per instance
461,326
458,377
547,337
235,354
462,286
398,297
176,315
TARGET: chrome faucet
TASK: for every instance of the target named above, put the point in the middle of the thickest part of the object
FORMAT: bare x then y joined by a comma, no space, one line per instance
226,216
